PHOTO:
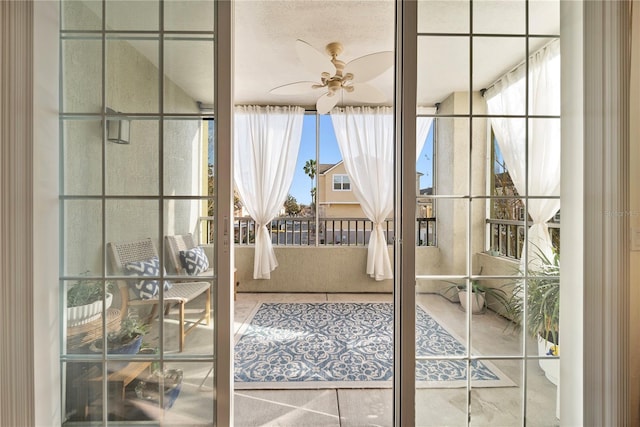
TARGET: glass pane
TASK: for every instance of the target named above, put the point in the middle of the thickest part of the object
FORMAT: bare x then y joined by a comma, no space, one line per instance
86,305
82,157
82,75
133,168
481,152
544,77
452,216
132,75
443,16
496,406
187,146
189,75
451,142
140,15
544,17
443,73
543,392
201,338
493,333
189,15
82,240
132,220
489,67
441,326
83,396
81,15
182,217
441,407
499,16
544,161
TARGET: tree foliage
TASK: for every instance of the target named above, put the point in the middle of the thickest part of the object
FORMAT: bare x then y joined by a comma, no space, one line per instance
310,168
291,206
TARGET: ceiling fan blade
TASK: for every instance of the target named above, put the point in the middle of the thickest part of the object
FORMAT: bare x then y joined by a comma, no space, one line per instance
313,59
326,103
370,66
365,92
296,88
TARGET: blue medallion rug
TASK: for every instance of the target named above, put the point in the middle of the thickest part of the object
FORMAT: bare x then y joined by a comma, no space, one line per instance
345,345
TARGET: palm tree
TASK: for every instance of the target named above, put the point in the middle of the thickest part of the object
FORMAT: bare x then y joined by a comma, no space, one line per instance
310,170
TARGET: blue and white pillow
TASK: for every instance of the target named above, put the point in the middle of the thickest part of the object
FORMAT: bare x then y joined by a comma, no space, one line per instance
194,261
146,289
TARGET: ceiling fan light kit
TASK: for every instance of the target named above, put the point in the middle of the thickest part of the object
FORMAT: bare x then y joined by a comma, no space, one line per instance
347,78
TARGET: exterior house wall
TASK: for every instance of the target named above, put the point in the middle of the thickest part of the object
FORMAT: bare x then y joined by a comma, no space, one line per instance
337,204
132,169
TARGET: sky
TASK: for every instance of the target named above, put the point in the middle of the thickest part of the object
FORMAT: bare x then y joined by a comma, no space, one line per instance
330,153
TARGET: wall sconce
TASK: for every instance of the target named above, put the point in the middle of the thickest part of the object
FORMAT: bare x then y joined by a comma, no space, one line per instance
118,131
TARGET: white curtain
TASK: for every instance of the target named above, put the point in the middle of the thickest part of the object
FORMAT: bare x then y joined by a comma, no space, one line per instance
423,124
365,137
266,144
508,97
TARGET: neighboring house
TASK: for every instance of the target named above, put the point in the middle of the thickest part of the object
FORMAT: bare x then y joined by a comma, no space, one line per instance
337,200
335,193
424,209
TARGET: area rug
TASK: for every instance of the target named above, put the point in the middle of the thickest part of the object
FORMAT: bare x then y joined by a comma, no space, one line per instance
345,345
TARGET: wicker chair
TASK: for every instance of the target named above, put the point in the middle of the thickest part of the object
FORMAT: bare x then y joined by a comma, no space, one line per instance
182,242
179,294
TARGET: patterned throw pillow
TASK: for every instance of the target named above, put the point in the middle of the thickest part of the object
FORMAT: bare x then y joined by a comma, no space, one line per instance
146,289
194,261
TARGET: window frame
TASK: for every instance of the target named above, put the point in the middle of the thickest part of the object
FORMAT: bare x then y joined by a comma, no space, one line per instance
342,182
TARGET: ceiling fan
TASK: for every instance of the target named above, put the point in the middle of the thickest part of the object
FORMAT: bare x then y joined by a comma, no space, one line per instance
337,77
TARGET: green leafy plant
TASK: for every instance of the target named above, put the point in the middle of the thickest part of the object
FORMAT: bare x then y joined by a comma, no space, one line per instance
130,329
85,291
543,299
83,294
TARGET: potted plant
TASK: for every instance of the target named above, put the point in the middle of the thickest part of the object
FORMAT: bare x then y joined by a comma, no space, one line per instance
84,302
126,340
543,309
479,294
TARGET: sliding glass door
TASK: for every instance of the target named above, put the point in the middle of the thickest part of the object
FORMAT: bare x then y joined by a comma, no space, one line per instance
145,274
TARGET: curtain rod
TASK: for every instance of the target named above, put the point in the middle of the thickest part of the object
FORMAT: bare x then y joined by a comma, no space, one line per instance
515,67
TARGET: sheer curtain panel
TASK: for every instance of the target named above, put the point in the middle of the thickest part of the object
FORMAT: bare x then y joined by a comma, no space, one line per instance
506,98
266,144
365,138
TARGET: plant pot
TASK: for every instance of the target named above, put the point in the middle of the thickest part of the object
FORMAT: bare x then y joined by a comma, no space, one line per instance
171,382
477,301
131,347
84,314
551,367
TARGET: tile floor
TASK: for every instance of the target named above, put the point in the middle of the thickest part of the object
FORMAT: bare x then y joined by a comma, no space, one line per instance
434,407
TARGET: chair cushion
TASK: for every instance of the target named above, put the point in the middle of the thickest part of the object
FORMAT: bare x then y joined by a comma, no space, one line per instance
146,289
194,261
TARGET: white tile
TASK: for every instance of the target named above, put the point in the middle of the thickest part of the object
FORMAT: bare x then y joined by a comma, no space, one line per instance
295,408
373,297
373,407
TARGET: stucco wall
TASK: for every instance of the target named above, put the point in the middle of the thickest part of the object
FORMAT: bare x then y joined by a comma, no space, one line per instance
452,179
133,169
322,269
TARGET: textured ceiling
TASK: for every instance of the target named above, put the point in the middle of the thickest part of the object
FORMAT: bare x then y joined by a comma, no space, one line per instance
266,32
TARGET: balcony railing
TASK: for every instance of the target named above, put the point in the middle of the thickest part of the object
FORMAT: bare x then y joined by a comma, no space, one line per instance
303,231
506,237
